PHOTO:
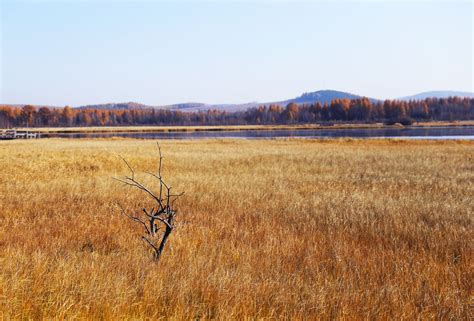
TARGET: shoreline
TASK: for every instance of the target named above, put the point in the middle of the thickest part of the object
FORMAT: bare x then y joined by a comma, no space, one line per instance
220,128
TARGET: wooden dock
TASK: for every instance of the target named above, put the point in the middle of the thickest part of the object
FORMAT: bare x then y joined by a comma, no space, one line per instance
14,134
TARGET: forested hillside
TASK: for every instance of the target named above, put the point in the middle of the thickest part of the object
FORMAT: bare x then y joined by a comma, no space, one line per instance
356,110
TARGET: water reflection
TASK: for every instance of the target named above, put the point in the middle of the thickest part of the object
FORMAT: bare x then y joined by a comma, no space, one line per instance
411,133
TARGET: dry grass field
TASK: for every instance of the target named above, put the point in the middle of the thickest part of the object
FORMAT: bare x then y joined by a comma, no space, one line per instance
280,229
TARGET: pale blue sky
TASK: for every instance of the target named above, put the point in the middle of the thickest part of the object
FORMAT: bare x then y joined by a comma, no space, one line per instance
71,52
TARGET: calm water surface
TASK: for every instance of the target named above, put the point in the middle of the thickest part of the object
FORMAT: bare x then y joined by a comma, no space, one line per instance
408,133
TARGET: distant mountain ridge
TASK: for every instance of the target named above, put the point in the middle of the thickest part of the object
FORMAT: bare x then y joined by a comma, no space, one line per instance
438,94
128,106
321,96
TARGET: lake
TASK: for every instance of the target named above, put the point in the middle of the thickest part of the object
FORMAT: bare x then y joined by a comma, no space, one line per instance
466,132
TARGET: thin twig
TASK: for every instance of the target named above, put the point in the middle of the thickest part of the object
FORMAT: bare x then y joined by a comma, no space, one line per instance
134,218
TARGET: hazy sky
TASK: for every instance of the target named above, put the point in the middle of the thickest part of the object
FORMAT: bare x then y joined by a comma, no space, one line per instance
71,52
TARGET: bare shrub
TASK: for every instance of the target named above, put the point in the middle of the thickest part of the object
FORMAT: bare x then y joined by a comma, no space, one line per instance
158,221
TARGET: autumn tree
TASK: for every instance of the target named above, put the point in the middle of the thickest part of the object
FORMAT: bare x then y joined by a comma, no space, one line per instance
67,116
28,115
45,116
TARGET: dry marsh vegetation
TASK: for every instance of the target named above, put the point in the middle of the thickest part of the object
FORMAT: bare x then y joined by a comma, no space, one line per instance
292,229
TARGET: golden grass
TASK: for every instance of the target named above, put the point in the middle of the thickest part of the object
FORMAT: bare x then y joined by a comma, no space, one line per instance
287,229
454,123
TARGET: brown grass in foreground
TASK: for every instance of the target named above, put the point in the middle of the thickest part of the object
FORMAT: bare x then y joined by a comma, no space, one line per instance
294,229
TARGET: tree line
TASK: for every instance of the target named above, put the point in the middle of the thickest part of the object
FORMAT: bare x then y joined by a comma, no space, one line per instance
339,110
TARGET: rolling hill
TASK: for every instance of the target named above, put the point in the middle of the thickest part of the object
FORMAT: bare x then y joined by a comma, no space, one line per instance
438,94
322,96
